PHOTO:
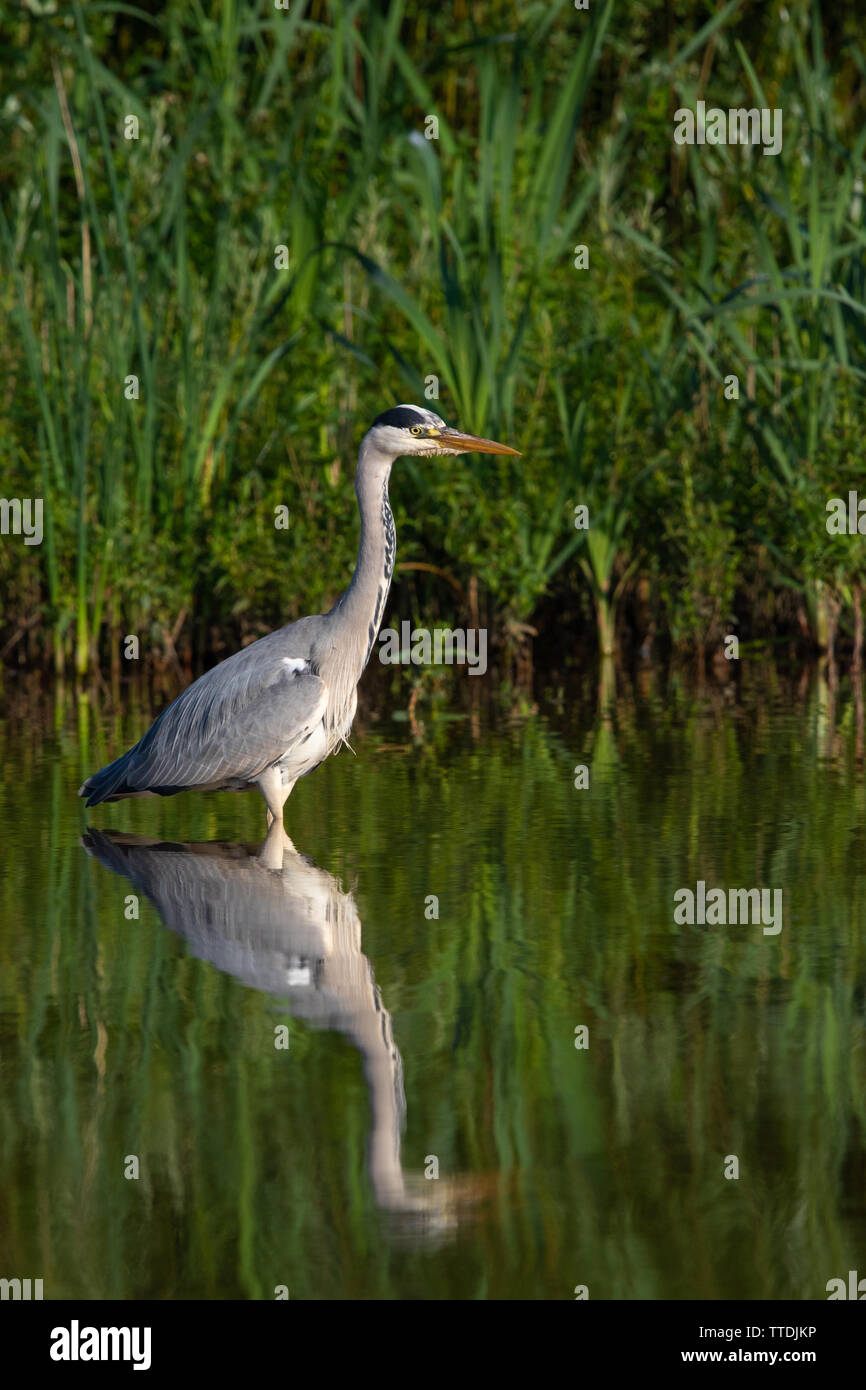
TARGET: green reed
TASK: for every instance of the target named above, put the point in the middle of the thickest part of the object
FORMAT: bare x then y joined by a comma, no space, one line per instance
412,258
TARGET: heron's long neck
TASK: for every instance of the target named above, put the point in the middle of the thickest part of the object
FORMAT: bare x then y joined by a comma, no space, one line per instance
363,604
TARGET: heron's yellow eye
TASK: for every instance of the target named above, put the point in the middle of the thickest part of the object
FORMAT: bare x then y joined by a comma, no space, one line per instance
416,429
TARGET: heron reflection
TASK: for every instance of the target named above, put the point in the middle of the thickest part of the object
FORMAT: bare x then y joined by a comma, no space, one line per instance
278,923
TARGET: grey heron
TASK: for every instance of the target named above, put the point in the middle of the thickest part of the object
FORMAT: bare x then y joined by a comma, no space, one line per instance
275,710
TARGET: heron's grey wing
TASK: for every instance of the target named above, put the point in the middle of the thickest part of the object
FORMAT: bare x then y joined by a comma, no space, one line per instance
229,725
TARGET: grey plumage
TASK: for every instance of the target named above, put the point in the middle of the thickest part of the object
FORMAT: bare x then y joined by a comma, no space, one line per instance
226,728
272,712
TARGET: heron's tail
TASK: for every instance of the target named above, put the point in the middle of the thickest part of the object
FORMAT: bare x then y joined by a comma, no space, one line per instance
109,784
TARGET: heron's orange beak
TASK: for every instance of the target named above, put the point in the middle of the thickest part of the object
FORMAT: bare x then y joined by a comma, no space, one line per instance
471,443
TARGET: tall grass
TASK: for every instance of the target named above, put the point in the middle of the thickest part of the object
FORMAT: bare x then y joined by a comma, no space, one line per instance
410,259
792,323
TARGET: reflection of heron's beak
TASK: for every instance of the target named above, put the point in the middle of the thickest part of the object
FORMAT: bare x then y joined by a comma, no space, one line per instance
471,443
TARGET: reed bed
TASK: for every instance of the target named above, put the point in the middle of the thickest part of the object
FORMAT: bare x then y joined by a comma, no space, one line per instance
410,261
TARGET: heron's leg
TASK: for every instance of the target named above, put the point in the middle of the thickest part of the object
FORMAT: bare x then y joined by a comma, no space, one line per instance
275,791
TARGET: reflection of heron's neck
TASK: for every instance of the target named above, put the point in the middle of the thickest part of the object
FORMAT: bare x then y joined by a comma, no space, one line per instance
383,1071
345,974
348,974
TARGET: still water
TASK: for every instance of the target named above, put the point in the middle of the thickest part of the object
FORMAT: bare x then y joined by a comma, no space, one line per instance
286,1043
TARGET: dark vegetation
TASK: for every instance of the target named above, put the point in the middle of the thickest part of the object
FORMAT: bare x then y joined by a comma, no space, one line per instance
411,258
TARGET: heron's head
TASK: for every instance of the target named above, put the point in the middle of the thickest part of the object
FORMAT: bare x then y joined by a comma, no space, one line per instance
410,429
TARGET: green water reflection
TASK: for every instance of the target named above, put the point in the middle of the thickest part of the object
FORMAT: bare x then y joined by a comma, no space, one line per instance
413,1037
